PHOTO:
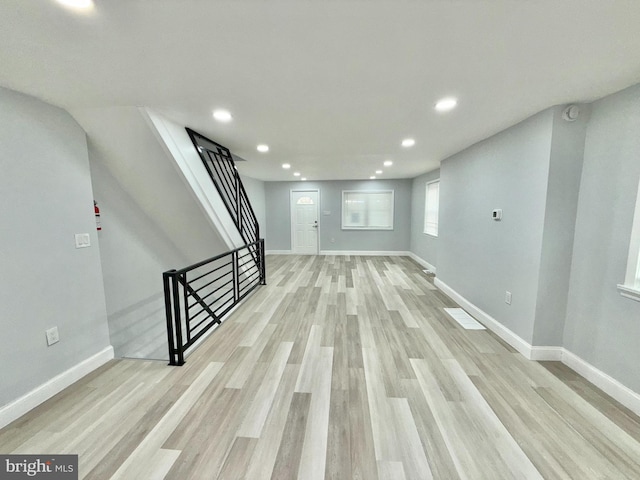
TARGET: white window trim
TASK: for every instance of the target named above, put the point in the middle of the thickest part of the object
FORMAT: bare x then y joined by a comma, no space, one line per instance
426,191
393,206
631,286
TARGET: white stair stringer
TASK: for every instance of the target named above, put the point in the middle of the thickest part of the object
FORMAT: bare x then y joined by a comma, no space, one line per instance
175,140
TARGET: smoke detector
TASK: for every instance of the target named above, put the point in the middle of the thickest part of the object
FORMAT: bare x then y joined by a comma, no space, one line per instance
570,114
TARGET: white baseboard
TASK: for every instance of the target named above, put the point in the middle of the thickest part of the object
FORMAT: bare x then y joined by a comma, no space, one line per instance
487,320
423,262
364,253
35,397
606,383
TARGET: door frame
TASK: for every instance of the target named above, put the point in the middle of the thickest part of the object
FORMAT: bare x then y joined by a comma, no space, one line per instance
297,190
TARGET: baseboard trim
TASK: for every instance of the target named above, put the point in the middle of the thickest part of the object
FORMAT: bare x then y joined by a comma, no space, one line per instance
487,320
422,262
365,253
606,383
38,395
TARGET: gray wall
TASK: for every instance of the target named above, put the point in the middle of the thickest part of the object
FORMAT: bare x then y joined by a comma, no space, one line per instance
152,222
332,237
602,327
565,169
423,245
481,258
45,198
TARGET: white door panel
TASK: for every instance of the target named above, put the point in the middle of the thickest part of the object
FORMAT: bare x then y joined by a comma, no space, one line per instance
304,222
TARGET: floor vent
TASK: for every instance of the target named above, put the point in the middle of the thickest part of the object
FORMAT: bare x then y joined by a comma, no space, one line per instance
464,319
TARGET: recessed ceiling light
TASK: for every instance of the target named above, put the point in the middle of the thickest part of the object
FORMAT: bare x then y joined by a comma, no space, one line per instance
446,104
296,174
263,148
304,179
378,172
408,142
388,163
81,4
372,177
222,115
286,166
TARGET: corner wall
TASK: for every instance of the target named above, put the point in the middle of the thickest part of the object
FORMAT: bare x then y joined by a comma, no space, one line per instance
602,327
45,198
481,258
565,169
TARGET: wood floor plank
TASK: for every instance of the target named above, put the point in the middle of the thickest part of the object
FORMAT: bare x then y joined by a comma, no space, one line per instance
139,459
236,463
314,450
435,449
288,459
338,440
382,422
257,413
361,444
264,456
414,460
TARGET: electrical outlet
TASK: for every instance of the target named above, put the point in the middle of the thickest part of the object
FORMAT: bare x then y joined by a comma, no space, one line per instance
507,298
52,336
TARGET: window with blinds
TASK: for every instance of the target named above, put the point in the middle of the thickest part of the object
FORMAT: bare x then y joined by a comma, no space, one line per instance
367,210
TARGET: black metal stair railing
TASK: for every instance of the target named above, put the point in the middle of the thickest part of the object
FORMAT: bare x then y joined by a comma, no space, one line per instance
219,163
197,297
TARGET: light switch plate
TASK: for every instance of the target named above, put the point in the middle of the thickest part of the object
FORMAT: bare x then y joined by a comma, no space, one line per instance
83,240
52,336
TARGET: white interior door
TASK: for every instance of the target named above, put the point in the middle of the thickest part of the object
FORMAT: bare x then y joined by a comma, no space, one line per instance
304,222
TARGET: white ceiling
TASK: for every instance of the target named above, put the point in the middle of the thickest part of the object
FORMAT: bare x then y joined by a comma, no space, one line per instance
331,86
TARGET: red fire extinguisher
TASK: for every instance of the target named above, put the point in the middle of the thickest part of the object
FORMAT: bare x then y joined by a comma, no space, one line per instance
97,212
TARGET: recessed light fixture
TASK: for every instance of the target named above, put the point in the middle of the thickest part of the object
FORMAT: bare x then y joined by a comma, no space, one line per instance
372,177
286,166
408,142
304,179
263,148
222,115
378,172
296,174
79,4
446,104
388,163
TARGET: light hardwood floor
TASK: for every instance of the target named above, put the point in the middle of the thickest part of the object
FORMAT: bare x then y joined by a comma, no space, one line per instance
341,367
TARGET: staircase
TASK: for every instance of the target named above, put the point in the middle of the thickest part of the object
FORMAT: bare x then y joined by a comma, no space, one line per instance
198,297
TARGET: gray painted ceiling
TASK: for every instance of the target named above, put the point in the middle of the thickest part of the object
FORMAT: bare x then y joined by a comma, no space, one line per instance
331,86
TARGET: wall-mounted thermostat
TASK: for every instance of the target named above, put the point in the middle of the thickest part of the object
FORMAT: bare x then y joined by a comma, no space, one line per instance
497,214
